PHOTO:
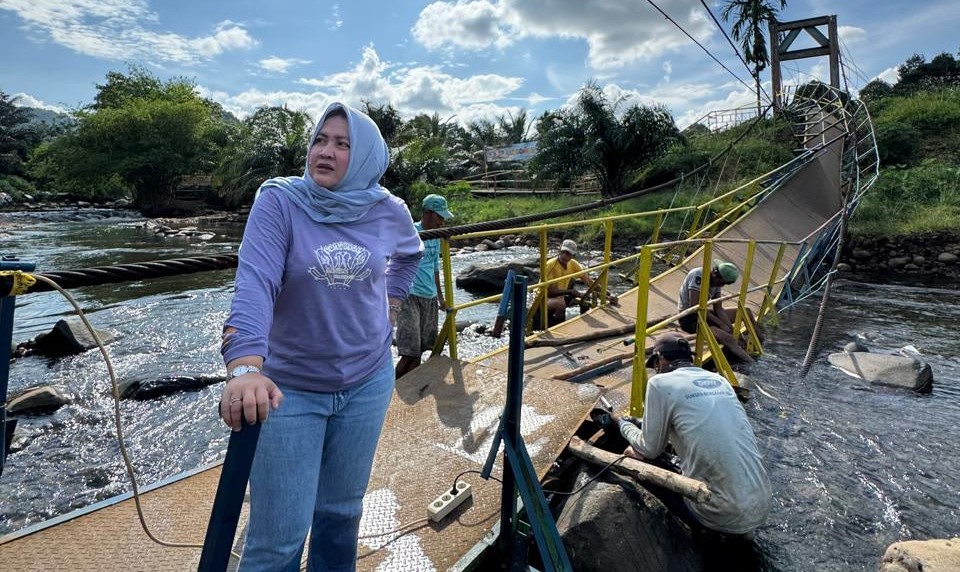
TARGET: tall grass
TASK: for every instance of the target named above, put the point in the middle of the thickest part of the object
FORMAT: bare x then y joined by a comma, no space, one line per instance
910,200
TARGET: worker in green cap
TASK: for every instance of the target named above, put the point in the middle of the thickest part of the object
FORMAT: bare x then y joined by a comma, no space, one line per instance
719,319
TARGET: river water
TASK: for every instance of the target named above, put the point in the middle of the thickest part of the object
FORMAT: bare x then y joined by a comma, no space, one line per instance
854,467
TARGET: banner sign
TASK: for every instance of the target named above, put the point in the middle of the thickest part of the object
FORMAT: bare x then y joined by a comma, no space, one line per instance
518,152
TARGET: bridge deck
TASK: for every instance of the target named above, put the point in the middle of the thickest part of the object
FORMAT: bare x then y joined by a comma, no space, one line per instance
440,423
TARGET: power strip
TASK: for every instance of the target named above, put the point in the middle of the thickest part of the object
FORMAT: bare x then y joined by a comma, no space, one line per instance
449,500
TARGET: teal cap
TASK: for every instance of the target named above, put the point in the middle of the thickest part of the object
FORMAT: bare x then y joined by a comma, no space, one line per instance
437,204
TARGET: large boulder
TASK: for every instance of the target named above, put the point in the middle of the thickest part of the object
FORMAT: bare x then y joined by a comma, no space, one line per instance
37,401
890,370
592,526
69,336
922,556
143,389
489,278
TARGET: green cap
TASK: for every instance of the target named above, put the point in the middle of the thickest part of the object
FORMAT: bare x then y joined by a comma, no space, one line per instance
728,271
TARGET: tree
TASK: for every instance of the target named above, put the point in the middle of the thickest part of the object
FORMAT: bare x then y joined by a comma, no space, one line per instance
514,129
143,134
13,136
387,118
593,138
270,143
753,18
917,74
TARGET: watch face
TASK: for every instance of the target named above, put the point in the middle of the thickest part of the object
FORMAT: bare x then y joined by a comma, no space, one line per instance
242,369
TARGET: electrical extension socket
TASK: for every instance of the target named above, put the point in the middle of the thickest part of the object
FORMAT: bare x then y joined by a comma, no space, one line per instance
445,503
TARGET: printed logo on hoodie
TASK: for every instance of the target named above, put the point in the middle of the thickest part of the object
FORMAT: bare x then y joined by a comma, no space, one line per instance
340,264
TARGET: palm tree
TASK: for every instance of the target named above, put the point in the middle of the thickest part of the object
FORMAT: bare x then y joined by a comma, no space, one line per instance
753,18
270,143
595,138
514,129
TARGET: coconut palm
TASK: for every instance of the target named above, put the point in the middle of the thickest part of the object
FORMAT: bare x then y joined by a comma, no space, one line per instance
753,18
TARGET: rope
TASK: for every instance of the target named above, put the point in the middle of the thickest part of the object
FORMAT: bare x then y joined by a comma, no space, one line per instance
118,425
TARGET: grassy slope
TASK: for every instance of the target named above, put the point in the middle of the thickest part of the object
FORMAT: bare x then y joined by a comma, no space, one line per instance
919,185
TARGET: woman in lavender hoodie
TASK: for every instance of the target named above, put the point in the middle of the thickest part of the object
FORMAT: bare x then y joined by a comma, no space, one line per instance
325,262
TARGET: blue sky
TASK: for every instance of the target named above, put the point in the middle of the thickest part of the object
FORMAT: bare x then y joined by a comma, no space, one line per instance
462,59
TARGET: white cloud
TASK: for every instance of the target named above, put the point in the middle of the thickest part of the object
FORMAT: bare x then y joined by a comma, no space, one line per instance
281,65
851,34
471,25
27,100
617,32
535,99
414,89
334,22
889,75
115,30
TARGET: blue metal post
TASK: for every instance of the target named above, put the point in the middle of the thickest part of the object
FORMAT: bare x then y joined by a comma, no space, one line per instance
228,502
510,423
7,306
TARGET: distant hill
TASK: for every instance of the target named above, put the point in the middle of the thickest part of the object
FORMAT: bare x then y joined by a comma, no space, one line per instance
48,117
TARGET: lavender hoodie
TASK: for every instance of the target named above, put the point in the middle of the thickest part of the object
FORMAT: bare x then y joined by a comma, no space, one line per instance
311,297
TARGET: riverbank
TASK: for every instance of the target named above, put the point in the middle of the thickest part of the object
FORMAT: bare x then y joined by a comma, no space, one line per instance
904,258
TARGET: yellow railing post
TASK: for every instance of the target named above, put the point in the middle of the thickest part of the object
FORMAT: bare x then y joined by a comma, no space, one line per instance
450,324
544,251
705,270
743,314
716,351
767,296
607,249
655,237
638,389
744,286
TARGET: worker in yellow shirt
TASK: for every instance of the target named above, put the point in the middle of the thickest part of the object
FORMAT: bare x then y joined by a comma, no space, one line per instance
561,295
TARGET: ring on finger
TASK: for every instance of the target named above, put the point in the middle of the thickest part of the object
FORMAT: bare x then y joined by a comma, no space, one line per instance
235,400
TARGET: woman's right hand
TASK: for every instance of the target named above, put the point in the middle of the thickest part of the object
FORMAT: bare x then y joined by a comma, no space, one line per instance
252,396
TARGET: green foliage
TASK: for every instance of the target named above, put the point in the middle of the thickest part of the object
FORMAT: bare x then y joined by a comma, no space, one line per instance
681,159
141,135
916,74
387,118
594,138
897,143
909,200
752,21
767,145
16,186
875,94
420,160
270,143
15,136
923,125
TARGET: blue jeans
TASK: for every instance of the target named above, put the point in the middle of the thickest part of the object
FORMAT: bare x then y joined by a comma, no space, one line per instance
312,466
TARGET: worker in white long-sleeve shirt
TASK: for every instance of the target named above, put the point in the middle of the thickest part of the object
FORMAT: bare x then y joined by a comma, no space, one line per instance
699,414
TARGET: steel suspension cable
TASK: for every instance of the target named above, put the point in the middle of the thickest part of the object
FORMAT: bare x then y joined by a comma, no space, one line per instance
695,41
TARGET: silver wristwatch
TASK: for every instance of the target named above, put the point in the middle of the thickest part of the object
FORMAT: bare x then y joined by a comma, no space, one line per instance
242,369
